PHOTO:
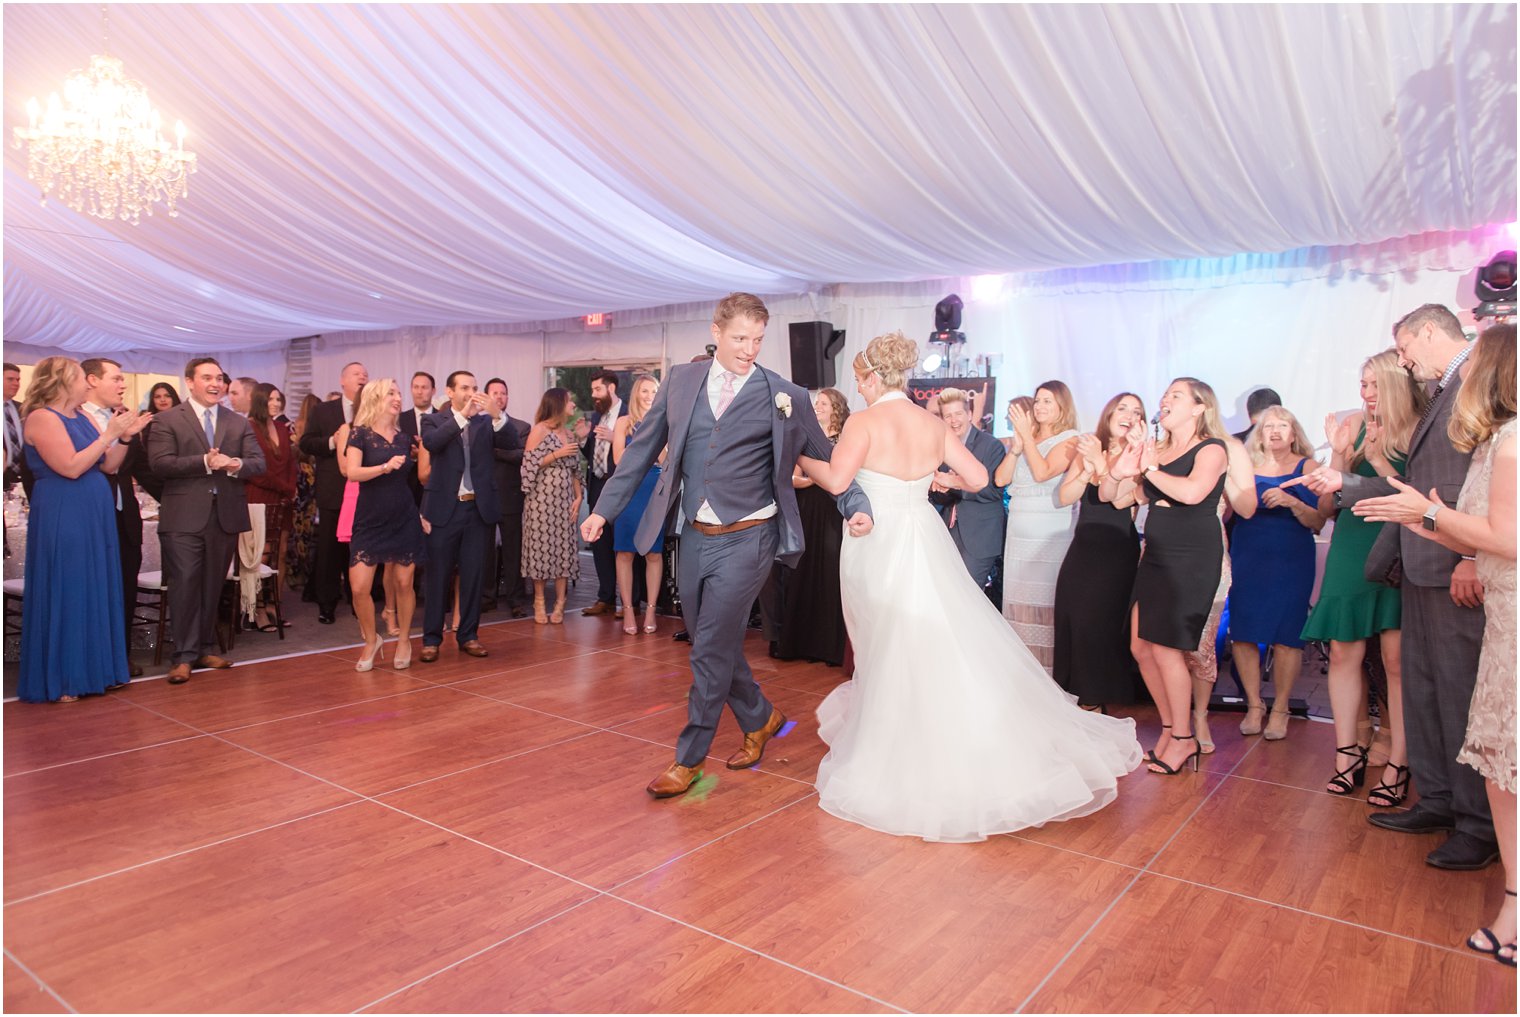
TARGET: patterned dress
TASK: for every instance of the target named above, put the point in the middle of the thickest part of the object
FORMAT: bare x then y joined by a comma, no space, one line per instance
303,524
551,546
1490,744
1039,531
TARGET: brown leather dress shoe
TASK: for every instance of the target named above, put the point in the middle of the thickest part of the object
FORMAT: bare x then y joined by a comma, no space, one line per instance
600,607
754,743
179,674
474,649
214,662
428,654
675,781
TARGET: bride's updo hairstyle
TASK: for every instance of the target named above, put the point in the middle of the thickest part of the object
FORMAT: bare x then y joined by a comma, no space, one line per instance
890,357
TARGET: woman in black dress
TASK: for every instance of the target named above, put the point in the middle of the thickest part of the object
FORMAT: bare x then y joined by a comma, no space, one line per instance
1182,478
812,613
1092,658
387,529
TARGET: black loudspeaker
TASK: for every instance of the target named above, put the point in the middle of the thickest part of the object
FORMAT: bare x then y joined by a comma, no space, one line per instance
815,344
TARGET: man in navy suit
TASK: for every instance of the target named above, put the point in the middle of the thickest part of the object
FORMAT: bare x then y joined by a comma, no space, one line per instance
977,519
596,446
423,387
460,507
735,431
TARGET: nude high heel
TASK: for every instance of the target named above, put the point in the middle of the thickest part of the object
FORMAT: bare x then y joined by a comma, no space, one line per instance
376,652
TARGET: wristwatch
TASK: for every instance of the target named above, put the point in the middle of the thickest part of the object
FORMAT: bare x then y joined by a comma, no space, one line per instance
1429,519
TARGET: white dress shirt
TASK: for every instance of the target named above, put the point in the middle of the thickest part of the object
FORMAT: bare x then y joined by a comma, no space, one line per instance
715,373
102,417
466,486
200,420
601,449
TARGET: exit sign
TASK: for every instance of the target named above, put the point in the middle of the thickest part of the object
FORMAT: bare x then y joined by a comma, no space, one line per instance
598,322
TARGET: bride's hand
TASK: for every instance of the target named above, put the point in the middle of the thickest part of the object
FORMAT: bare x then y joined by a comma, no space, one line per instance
859,524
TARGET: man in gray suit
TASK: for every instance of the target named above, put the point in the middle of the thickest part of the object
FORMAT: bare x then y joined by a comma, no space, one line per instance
735,431
977,519
204,452
1442,605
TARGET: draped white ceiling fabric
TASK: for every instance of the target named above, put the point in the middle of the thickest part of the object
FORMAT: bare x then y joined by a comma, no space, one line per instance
378,167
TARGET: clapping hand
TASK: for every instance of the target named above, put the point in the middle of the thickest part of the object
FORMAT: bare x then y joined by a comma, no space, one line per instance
395,463
477,402
1129,462
216,461
1023,423
859,524
1091,452
1338,433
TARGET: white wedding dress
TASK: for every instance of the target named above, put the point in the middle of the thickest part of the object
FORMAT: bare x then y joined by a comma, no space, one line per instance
950,729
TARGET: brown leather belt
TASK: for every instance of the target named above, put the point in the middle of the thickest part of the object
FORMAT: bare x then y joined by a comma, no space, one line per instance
467,497
712,530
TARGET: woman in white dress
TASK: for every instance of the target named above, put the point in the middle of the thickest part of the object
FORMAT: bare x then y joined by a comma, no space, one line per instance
1040,528
950,729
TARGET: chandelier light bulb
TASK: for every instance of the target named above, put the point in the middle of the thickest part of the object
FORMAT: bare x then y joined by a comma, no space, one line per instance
101,148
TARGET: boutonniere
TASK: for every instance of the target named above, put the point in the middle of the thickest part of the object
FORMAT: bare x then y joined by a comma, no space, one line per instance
783,405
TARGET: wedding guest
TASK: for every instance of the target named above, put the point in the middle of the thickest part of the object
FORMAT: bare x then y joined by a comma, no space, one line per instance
461,506
73,638
1272,559
105,387
319,442
640,398
812,613
13,439
1441,605
1181,478
977,519
240,394
383,583
1482,526
303,520
509,488
386,528
271,494
1373,442
1257,403
1092,659
202,511
552,499
1237,502
277,408
423,387
607,408
162,396
1039,527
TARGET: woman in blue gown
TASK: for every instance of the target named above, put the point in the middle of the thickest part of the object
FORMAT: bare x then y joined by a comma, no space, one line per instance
72,638
1272,559
640,399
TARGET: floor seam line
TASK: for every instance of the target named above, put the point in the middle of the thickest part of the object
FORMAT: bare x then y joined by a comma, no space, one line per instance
40,982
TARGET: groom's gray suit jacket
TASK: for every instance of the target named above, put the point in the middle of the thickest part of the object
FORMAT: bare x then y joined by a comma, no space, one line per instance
747,461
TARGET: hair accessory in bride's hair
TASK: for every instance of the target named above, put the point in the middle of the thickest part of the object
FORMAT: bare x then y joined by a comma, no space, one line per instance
870,367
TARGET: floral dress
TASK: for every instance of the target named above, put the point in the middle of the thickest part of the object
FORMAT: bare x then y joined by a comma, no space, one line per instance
551,546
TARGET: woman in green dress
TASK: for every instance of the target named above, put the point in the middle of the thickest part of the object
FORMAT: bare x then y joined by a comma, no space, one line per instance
1350,609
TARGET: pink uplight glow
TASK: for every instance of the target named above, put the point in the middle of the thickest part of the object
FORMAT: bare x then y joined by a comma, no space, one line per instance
1513,229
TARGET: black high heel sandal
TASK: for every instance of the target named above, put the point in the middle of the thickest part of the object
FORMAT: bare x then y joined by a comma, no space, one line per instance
1167,771
1494,946
1386,795
1150,757
1352,776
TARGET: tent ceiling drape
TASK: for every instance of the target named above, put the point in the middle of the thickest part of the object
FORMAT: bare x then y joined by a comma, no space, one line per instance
369,167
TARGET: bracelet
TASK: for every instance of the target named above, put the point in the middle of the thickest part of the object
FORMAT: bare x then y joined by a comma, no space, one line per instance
1470,557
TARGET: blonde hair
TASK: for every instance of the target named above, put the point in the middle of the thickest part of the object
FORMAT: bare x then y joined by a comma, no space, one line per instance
839,410
1298,443
1067,421
890,357
634,413
1486,400
740,305
50,378
951,395
372,401
1209,423
1400,403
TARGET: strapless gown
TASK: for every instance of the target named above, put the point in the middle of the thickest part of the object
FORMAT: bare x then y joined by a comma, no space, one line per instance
950,729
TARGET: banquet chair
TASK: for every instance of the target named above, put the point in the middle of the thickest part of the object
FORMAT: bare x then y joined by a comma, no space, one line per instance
15,590
277,522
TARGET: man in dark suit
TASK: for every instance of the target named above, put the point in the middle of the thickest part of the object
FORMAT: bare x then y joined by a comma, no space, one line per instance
460,507
508,569
596,446
204,452
977,519
1442,604
107,386
13,432
331,557
423,387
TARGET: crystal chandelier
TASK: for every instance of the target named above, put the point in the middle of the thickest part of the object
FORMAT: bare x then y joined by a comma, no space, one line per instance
101,149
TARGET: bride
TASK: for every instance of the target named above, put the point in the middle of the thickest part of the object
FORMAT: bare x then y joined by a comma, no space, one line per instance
950,729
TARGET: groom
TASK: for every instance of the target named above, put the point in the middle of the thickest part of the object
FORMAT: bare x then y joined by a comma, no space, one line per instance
735,431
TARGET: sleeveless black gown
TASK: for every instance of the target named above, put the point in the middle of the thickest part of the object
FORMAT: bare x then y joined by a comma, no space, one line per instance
1184,552
1092,658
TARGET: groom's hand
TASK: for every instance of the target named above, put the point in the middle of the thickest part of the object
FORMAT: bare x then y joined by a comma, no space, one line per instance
591,529
860,524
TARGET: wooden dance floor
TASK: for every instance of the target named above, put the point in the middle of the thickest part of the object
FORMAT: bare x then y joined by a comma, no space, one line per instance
474,836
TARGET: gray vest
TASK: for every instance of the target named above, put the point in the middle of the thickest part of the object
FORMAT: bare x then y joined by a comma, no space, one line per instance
729,463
